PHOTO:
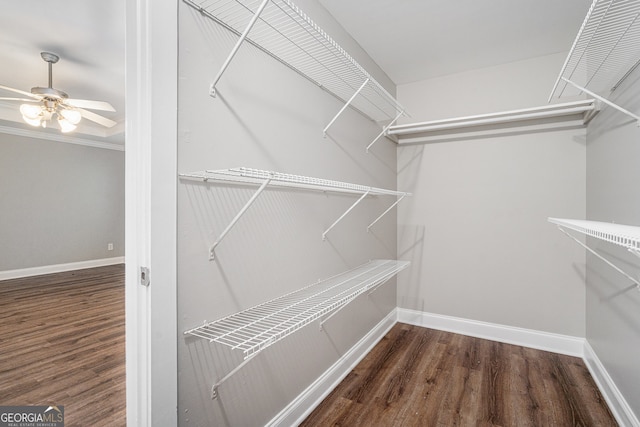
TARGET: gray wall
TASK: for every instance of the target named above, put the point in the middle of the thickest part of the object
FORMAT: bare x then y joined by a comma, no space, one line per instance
268,117
613,305
476,229
60,203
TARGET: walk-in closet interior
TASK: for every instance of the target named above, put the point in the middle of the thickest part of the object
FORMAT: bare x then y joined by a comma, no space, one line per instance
363,212
320,202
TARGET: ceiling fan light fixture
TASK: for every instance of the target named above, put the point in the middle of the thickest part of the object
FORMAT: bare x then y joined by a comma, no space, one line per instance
31,114
30,111
71,116
65,125
32,122
56,104
68,119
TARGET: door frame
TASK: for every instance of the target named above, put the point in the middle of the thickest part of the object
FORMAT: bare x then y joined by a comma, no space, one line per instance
150,211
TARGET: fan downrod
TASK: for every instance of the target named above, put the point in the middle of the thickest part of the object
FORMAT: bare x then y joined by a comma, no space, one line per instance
49,93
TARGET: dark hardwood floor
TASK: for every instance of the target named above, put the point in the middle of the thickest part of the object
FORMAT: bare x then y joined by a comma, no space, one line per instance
423,377
62,342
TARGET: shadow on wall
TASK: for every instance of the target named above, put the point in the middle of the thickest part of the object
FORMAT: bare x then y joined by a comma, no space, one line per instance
610,119
620,300
411,241
409,160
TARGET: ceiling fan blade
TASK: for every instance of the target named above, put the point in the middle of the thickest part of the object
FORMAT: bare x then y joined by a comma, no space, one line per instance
97,118
21,92
18,99
93,105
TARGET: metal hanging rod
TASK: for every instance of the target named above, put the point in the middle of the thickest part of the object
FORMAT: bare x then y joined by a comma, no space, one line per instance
281,29
263,325
622,235
606,48
503,117
265,178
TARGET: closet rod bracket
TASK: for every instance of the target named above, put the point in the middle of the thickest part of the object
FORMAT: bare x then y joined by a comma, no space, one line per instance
604,100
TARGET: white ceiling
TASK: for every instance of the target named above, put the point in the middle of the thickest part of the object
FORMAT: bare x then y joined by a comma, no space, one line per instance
410,39
413,40
88,36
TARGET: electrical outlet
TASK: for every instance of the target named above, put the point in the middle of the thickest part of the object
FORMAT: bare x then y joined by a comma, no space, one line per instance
109,246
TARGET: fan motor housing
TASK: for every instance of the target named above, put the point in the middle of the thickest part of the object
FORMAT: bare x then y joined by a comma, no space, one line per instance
49,92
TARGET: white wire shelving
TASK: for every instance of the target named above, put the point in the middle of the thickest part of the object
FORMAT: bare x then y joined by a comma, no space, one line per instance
605,51
254,329
265,178
587,109
626,236
283,31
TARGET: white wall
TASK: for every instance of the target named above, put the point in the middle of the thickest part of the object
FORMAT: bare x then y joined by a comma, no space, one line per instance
476,228
268,117
613,304
61,203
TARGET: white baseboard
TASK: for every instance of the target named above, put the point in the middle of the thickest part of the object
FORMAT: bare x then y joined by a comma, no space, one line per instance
294,413
563,344
58,268
616,401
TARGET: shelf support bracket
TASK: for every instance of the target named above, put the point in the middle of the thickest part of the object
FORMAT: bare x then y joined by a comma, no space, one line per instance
344,107
237,217
212,89
214,388
615,267
334,312
376,287
634,251
385,212
606,101
324,235
385,129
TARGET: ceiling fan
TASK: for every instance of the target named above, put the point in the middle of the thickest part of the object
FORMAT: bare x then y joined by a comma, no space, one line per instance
46,103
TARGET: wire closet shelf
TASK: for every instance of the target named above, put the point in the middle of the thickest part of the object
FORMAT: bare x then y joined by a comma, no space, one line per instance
258,327
283,31
605,51
626,236
257,176
264,178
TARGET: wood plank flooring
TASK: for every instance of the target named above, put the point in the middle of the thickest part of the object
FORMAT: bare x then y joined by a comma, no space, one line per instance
423,377
62,342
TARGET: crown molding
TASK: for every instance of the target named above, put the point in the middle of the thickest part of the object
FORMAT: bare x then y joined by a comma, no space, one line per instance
60,138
